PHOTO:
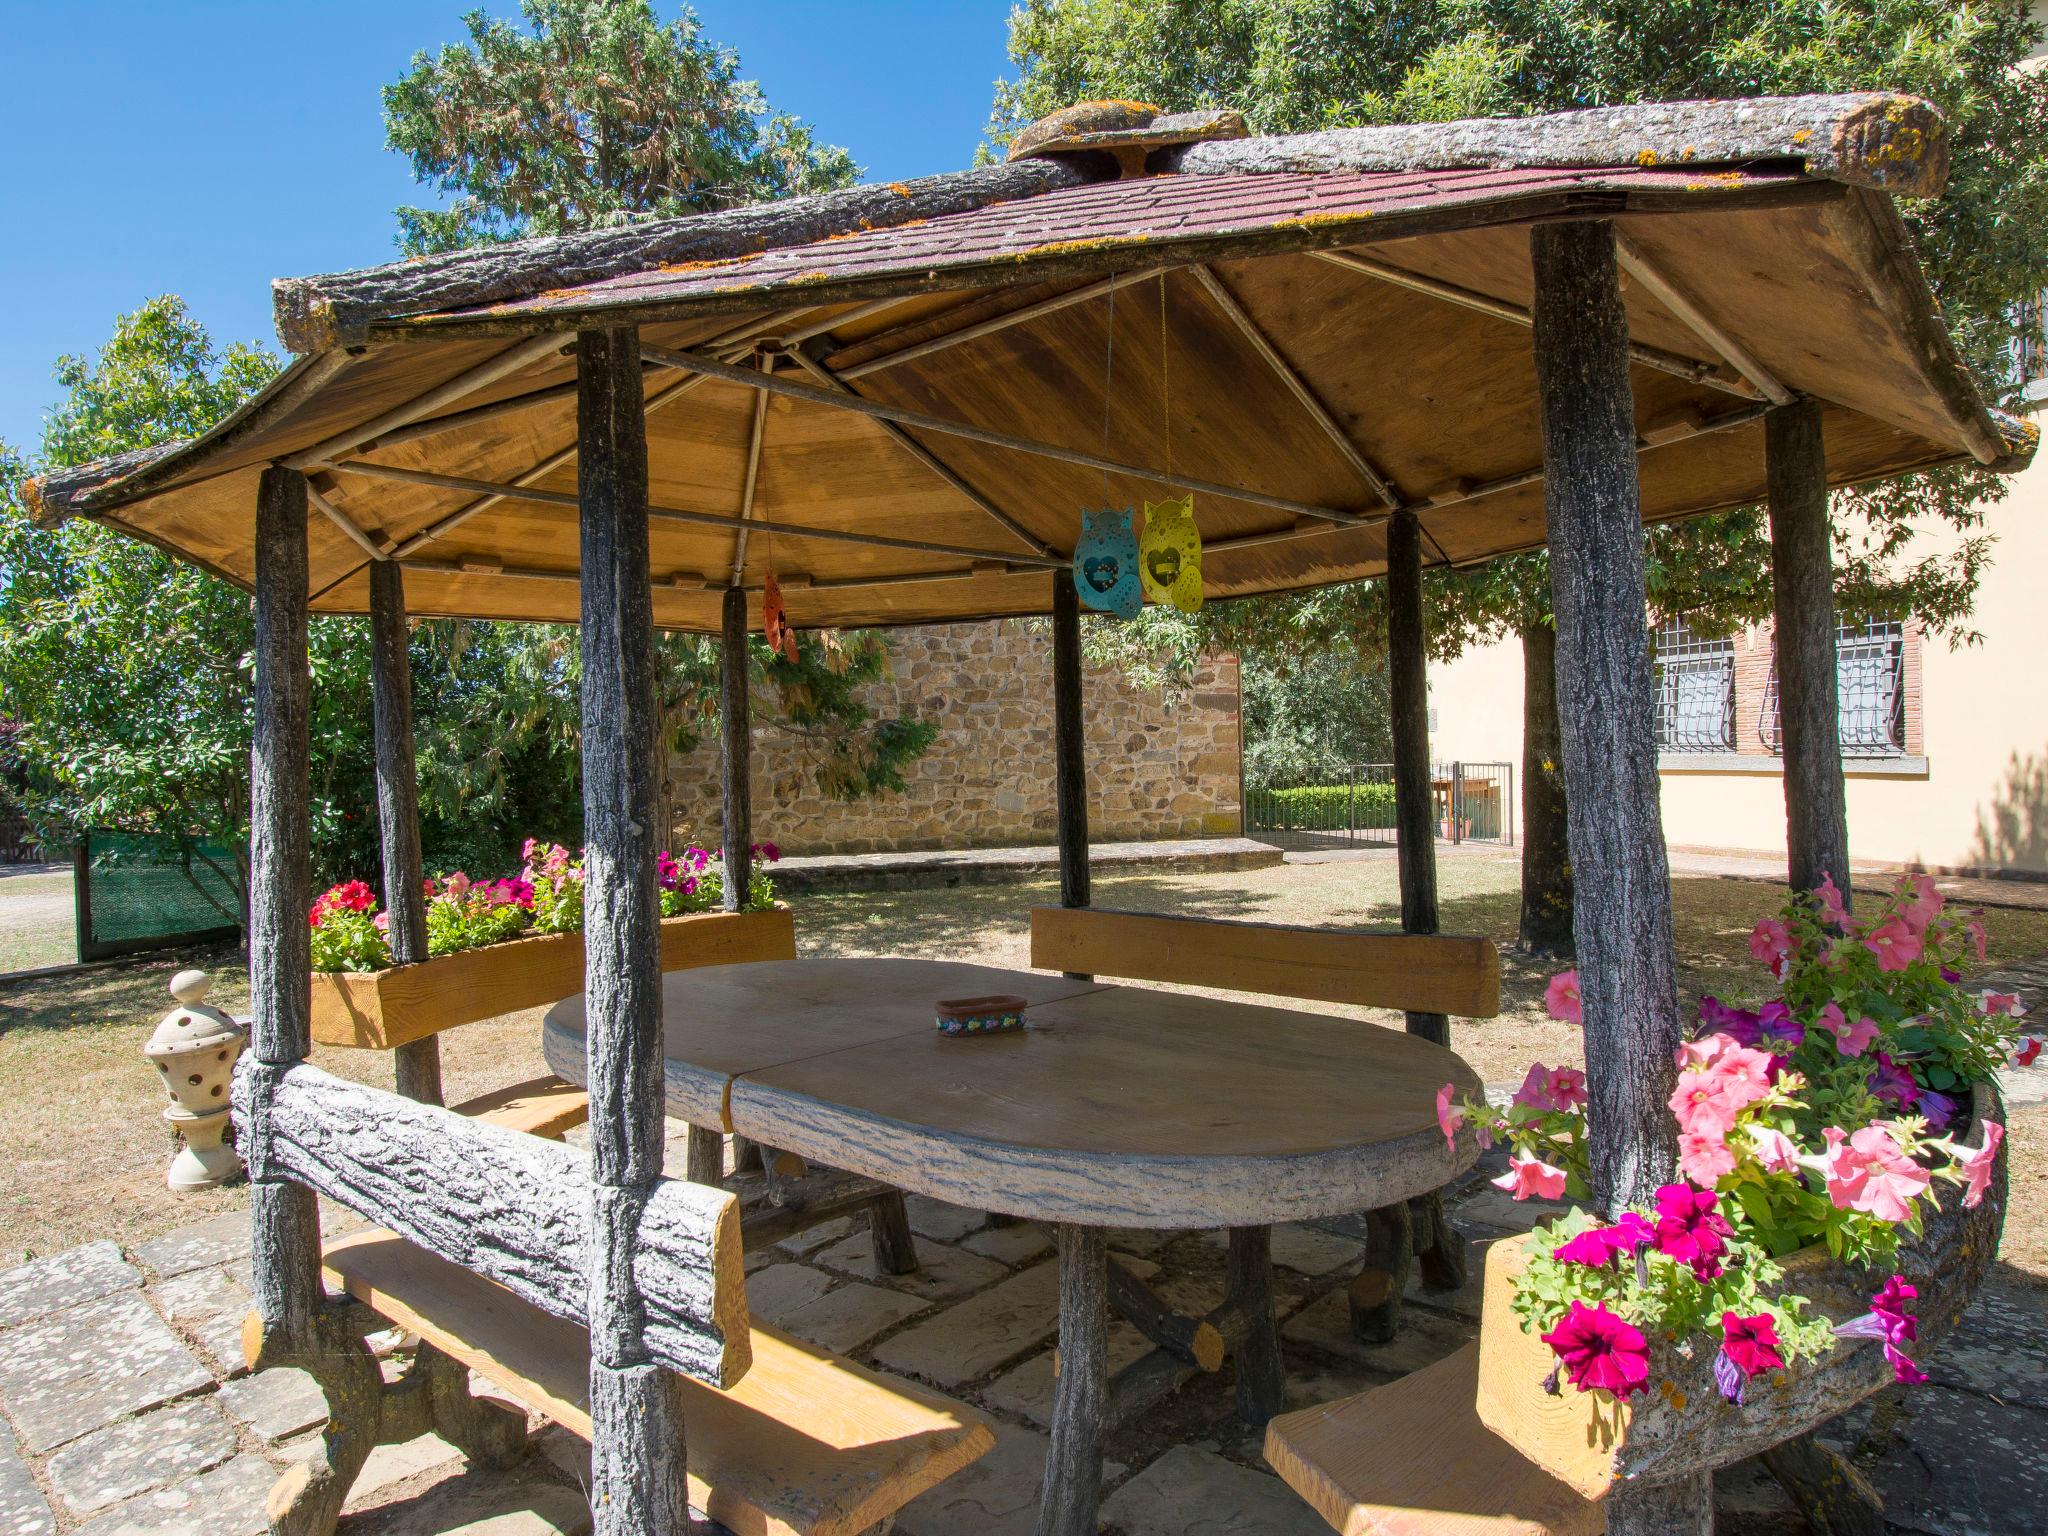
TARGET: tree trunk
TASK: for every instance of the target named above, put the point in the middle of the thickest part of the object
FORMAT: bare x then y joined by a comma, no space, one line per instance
637,1458
1546,838
1414,794
1070,760
1803,596
1622,920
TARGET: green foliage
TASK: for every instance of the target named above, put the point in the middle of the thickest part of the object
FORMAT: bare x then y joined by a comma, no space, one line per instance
1295,65
1317,807
594,113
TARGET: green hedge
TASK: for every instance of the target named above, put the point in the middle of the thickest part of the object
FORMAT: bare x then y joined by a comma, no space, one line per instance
1315,807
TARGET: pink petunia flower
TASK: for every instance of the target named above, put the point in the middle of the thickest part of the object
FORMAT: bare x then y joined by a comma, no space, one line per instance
1705,1159
2002,1005
1832,907
1974,926
1690,1228
1775,1152
1924,906
1894,943
1853,1039
1599,1351
1561,998
1771,943
2027,1051
1870,1172
1978,1166
1531,1177
1552,1088
1448,1119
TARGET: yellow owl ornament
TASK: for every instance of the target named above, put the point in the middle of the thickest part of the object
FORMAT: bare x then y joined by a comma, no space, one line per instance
1170,554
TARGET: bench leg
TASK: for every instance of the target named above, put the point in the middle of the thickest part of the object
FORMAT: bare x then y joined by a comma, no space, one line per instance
1439,1249
488,1432
1261,1375
306,1500
889,1226
1072,1491
704,1158
1835,1497
1683,1508
1376,1292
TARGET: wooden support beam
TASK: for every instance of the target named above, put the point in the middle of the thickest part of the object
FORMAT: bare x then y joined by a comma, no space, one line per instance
1640,353
638,1468
285,1227
928,459
513,492
512,360
735,748
756,429
1287,374
1695,319
925,422
1803,601
1072,1489
988,327
1414,787
1606,703
417,1062
345,523
1069,742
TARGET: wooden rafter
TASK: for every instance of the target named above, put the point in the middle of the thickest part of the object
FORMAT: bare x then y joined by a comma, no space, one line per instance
1689,369
988,327
344,522
1695,319
755,431
1287,374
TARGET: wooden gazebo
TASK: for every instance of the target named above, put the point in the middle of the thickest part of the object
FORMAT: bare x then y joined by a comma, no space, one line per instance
1362,352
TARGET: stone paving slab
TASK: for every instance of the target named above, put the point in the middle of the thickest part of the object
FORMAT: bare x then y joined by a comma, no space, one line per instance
89,1365
845,1318
22,1510
1464,1301
995,1496
941,1222
47,1285
1021,1242
276,1404
1026,1390
526,1501
1424,1337
219,1240
981,1334
775,1292
2000,1348
943,1271
1194,1492
228,1501
1968,1466
1302,1249
136,1455
209,1305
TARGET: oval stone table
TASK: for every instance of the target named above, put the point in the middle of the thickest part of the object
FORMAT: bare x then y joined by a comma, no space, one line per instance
1118,1107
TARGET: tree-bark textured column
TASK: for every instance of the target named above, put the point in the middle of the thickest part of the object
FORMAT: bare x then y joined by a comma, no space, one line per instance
418,1062
285,1225
1072,1489
638,1475
1069,746
1607,711
1546,927
736,748
1803,597
1414,795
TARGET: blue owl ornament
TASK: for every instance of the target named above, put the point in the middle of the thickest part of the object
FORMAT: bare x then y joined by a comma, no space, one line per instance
1106,563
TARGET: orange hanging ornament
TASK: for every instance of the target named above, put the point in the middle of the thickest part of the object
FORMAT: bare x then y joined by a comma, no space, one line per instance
775,623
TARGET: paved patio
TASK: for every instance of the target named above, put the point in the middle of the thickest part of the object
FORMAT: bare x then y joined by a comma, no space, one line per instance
130,1415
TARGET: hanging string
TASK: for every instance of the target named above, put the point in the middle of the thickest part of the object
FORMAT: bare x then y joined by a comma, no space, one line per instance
1165,375
1108,381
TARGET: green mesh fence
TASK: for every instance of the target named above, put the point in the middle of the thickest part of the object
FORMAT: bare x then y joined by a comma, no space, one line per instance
139,890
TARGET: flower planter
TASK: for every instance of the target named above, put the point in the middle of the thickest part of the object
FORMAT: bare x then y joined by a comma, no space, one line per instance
383,1009
1682,1425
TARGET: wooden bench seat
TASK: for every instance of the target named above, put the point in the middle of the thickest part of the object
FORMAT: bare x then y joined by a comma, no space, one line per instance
1412,1459
805,1444
541,1106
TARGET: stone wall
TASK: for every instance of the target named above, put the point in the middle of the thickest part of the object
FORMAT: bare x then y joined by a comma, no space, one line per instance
1161,765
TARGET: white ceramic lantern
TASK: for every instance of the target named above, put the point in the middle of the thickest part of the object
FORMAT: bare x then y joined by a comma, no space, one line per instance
195,1049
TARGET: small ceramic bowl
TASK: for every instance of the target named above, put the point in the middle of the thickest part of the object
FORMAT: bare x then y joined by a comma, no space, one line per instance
980,1015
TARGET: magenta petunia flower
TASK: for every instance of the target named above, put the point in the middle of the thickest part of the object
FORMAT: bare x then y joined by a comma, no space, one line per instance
1597,1245
1599,1351
1889,1321
1738,1024
1752,1342
1690,1228
1777,1031
1562,1000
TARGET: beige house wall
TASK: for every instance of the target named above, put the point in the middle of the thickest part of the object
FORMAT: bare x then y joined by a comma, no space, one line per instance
1163,765
1978,798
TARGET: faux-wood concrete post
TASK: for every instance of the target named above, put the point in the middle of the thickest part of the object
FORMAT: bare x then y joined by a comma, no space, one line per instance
1803,598
1623,918
418,1062
638,1481
1070,760
735,748
284,1221
1072,1491
1414,795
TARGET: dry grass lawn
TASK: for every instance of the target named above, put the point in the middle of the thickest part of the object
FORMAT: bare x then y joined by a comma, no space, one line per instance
82,1156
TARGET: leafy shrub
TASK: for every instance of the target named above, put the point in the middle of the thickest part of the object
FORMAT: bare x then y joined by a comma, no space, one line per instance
1307,807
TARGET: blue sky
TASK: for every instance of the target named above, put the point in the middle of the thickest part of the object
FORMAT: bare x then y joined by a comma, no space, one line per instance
204,147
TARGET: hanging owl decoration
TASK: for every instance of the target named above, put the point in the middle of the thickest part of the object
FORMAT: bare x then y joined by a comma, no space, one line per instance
1106,563
1170,554
775,625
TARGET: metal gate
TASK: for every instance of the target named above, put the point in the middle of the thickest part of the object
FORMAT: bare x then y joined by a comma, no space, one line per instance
1354,806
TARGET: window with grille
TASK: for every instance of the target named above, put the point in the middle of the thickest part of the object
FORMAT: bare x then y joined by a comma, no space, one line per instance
2030,344
1695,691
1870,676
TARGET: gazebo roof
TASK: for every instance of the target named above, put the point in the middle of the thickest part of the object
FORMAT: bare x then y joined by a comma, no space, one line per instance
894,396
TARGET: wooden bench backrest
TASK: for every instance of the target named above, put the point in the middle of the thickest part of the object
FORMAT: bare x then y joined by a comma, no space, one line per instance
510,1207
1436,973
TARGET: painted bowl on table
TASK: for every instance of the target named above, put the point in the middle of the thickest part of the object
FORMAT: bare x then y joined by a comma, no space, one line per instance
980,1015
